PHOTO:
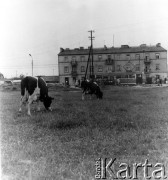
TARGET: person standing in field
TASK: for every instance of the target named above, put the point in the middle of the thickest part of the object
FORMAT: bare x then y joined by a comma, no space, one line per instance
158,81
118,81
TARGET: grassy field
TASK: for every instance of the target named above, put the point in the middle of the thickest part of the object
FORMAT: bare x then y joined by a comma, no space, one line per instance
129,124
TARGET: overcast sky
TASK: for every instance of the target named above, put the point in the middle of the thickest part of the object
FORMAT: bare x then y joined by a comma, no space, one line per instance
41,27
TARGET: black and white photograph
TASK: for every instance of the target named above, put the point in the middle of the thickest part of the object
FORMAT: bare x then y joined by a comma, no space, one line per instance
83,89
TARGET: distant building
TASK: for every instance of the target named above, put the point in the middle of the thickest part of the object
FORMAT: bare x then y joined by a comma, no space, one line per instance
1,76
138,62
50,79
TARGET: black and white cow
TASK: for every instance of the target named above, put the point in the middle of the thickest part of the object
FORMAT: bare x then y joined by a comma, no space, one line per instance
34,89
90,87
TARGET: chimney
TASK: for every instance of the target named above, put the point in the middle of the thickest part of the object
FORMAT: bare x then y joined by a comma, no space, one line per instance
105,47
124,46
158,45
143,45
61,49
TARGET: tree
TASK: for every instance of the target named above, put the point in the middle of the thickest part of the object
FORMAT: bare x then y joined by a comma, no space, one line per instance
22,76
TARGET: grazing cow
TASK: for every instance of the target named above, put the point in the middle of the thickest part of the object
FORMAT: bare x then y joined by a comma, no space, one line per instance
90,87
34,89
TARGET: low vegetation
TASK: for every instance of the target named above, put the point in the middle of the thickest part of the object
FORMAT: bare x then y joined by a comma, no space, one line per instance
129,124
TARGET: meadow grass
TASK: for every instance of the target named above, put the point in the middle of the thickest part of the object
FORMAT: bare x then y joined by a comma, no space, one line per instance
129,124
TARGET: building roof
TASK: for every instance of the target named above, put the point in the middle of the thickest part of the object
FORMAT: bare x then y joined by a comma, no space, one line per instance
111,50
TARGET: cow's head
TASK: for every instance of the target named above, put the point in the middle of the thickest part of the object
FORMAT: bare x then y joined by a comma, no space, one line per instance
47,102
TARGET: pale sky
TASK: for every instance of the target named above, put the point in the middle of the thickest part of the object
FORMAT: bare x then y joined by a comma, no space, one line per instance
41,27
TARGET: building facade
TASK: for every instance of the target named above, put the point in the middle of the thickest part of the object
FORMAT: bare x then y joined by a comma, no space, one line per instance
141,62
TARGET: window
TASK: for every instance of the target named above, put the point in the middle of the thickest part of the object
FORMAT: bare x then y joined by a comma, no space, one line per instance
108,56
128,57
118,56
131,76
137,67
74,79
146,56
109,69
66,69
157,56
82,68
137,56
73,58
82,58
118,67
74,69
65,58
99,57
157,66
100,68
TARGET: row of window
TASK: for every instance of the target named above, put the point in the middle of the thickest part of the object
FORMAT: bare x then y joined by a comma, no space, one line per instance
109,68
128,57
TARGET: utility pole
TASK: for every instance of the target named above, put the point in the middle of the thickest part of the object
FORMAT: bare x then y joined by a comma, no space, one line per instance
32,63
92,67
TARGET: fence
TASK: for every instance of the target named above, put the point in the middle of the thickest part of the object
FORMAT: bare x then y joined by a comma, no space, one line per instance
127,81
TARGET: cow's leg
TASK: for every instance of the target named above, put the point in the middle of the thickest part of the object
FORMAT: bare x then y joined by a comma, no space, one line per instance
21,102
23,99
28,105
38,105
83,95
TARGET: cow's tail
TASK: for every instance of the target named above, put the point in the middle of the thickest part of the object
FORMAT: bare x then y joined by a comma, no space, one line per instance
22,89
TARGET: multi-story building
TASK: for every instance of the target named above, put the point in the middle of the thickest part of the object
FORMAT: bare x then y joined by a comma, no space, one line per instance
115,62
